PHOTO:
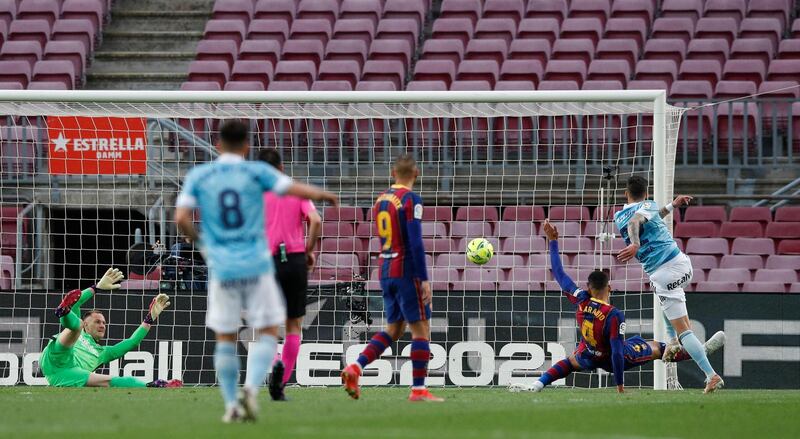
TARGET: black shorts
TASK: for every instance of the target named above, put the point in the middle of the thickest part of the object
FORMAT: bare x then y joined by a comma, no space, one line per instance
292,276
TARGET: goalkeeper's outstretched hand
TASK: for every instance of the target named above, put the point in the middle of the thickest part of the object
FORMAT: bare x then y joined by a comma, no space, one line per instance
159,304
110,280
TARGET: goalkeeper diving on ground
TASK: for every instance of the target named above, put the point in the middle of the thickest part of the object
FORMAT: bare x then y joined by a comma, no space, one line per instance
72,356
602,326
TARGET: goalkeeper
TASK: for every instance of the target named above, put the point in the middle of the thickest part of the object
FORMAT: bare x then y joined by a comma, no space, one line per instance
70,358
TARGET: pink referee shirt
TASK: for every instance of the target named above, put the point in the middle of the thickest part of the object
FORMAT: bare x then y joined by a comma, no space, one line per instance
284,218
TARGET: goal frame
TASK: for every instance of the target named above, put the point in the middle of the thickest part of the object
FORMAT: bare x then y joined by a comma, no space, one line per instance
658,98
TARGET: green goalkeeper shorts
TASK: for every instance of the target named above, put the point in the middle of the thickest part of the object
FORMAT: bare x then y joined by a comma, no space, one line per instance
59,368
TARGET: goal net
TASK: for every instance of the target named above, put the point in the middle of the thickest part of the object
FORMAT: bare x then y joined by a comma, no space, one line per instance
89,180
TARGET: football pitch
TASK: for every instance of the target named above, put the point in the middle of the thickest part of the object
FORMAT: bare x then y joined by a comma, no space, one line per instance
35,412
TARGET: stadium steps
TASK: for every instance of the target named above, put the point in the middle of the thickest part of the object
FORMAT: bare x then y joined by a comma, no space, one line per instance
149,44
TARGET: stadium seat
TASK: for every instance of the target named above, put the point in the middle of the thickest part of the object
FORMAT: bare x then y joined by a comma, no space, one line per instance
374,86
787,276
453,28
747,262
470,229
17,147
268,29
244,86
523,213
477,213
721,27
354,29
399,29
556,9
201,85
479,279
504,9
284,10
391,50
470,9
348,71
565,70
361,9
259,71
617,50
777,9
627,29
681,28
672,49
734,9
691,9
260,50
522,70
347,50
435,70
492,50
700,70
717,287
788,49
761,214
787,214
604,84
609,70
406,9
318,10
55,71
764,287
288,86
380,70
29,51
578,49
700,229
48,10
29,30
736,275
427,86
691,90
783,230
510,229
524,279
707,246
633,9
216,50
741,229
569,213
767,28
91,10
444,49
705,213
303,71
434,230
704,262
783,261
749,70
539,29
753,48
343,214
524,245
495,28
437,213
233,30
753,246
471,86
311,29
656,70
80,30
714,49
233,10
789,247
478,70
591,28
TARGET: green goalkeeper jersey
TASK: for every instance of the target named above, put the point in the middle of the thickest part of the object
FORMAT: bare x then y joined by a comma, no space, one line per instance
89,355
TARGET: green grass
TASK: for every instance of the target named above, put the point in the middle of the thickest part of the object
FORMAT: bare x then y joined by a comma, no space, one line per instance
34,412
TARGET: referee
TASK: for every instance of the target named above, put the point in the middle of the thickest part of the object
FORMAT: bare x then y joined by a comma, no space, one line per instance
294,258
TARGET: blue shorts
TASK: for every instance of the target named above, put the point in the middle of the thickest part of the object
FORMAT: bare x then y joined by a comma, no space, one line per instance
402,300
635,349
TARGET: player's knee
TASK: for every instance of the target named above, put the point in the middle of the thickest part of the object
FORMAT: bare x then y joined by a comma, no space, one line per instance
294,326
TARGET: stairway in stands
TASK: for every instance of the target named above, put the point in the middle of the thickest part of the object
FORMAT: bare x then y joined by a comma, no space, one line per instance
148,44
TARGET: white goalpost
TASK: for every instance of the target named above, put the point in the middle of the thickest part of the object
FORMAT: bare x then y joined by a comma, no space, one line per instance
89,180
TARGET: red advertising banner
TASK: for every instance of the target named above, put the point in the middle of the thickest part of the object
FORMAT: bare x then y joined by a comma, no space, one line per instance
97,145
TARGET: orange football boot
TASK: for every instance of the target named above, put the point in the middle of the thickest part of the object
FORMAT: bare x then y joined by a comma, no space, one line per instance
350,376
423,395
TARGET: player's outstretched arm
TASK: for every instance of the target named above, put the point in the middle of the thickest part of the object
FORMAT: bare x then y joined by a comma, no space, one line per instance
679,201
157,306
311,192
566,283
634,226
185,223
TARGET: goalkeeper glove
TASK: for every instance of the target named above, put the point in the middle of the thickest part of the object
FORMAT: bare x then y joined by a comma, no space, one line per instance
159,304
110,280
165,383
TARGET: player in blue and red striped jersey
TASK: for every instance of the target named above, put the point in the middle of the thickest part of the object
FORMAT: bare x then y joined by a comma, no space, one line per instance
404,280
602,326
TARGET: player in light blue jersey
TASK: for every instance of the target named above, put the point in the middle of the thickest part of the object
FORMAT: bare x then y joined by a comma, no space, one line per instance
641,224
229,194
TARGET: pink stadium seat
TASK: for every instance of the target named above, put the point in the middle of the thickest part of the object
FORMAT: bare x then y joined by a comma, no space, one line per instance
747,262
681,28
672,49
268,29
722,27
479,279
361,9
700,229
565,70
627,28
48,10
80,30
707,246
604,84
260,50
428,86
633,9
715,49
783,261
736,275
244,86
311,29
470,9
598,9
399,29
470,229
753,246
726,8
656,70
591,28
767,28
539,29
569,213
524,245
347,50
522,70
778,9
492,50
617,50
764,287
246,70
753,48
606,214
556,9
691,90
742,229
783,230
374,86
406,9
217,50
789,247
776,113
700,70
284,10
568,228
288,86
304,71
627,272
201,85
787,214
524,279
437,213
348,71
787,276
234,30
478,70
434,230
505,9
29,51
471,86
8,10
446,49
318,10
761,214
510,229
692,9
705,213
393,71
704,262
453,28
788,49
55,71
354,29
578,49
391,50
47,85
751,70
608,70
523,213
334,267
29,30
83,9
495,28
717,287
72,51
233,10
348,214
441,246
435,70
477,213
730,89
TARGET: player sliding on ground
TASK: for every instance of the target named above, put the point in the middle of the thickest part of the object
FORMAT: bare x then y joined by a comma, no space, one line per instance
229,193
70,358
404,280
641,224
602,328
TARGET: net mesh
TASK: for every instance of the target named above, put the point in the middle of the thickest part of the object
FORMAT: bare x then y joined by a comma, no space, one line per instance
81,193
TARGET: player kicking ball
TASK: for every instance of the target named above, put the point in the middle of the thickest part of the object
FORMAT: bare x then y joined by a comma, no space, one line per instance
640,222
602,327
71,357
404,281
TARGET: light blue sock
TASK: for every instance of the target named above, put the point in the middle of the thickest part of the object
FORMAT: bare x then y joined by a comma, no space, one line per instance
670,330
227,364
697,352
259,361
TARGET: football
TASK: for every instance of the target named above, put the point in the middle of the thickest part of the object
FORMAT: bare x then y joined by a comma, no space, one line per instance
480,251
